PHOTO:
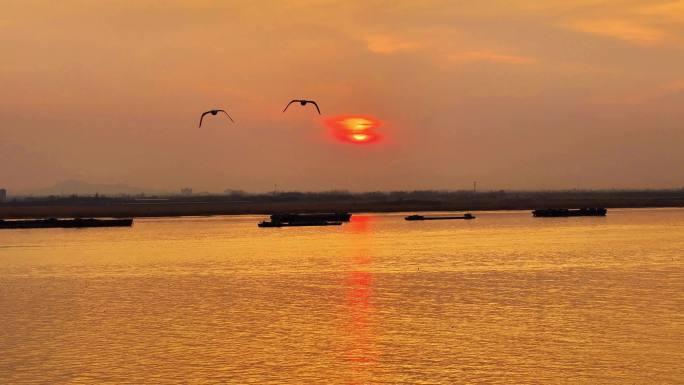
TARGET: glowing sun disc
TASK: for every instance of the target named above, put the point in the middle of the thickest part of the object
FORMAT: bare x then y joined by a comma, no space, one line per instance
357,129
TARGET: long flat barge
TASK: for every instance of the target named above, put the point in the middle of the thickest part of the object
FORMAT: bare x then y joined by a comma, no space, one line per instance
424,218
584,212
311,217
64,223
297,224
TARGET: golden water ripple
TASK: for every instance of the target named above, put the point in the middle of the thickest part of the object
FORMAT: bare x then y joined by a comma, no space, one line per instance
503,299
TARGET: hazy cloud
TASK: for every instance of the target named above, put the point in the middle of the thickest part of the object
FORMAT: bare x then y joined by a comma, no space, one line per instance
491,56
668,10
621,29
384,44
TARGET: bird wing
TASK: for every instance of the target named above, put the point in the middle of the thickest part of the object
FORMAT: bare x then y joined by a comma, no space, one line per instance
231,119
291,101
202,117
315,104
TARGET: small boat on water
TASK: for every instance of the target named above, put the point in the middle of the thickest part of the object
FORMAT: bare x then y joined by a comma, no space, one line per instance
63,223
584,212
424,218
297,224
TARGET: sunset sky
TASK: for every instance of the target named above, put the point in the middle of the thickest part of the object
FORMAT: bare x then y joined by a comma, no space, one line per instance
515,94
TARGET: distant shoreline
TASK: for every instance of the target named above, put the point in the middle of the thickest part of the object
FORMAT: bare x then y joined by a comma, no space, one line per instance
121,207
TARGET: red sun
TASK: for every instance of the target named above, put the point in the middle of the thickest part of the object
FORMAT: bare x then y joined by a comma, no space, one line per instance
354,129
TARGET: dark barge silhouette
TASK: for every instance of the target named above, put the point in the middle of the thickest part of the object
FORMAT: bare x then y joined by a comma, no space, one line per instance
311,217
306,219
297,224
424,218
583,212
63,223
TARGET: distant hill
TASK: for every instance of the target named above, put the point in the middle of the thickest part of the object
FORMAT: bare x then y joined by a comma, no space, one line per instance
75,187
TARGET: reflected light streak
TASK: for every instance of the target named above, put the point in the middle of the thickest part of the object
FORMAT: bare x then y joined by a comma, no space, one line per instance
359,289
362,338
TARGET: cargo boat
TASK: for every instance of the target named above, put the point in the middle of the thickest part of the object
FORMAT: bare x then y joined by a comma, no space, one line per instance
311,217
63,223
297,224
424,218
584,212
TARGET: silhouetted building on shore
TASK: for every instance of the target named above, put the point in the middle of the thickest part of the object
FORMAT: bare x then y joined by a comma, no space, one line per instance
186,191
3,195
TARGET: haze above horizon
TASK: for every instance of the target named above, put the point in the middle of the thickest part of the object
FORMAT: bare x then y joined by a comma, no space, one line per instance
512,94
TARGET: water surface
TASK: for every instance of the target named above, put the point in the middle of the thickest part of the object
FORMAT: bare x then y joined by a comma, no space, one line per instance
502,299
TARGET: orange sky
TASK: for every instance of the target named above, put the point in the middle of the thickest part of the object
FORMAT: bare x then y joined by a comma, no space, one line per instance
515,94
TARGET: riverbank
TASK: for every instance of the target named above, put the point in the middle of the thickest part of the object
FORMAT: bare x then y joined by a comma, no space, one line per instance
119,207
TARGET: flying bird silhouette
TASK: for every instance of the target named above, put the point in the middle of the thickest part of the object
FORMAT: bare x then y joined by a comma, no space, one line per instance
303,103
214,112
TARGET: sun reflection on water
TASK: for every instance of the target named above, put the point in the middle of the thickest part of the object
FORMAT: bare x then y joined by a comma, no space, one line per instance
362,351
